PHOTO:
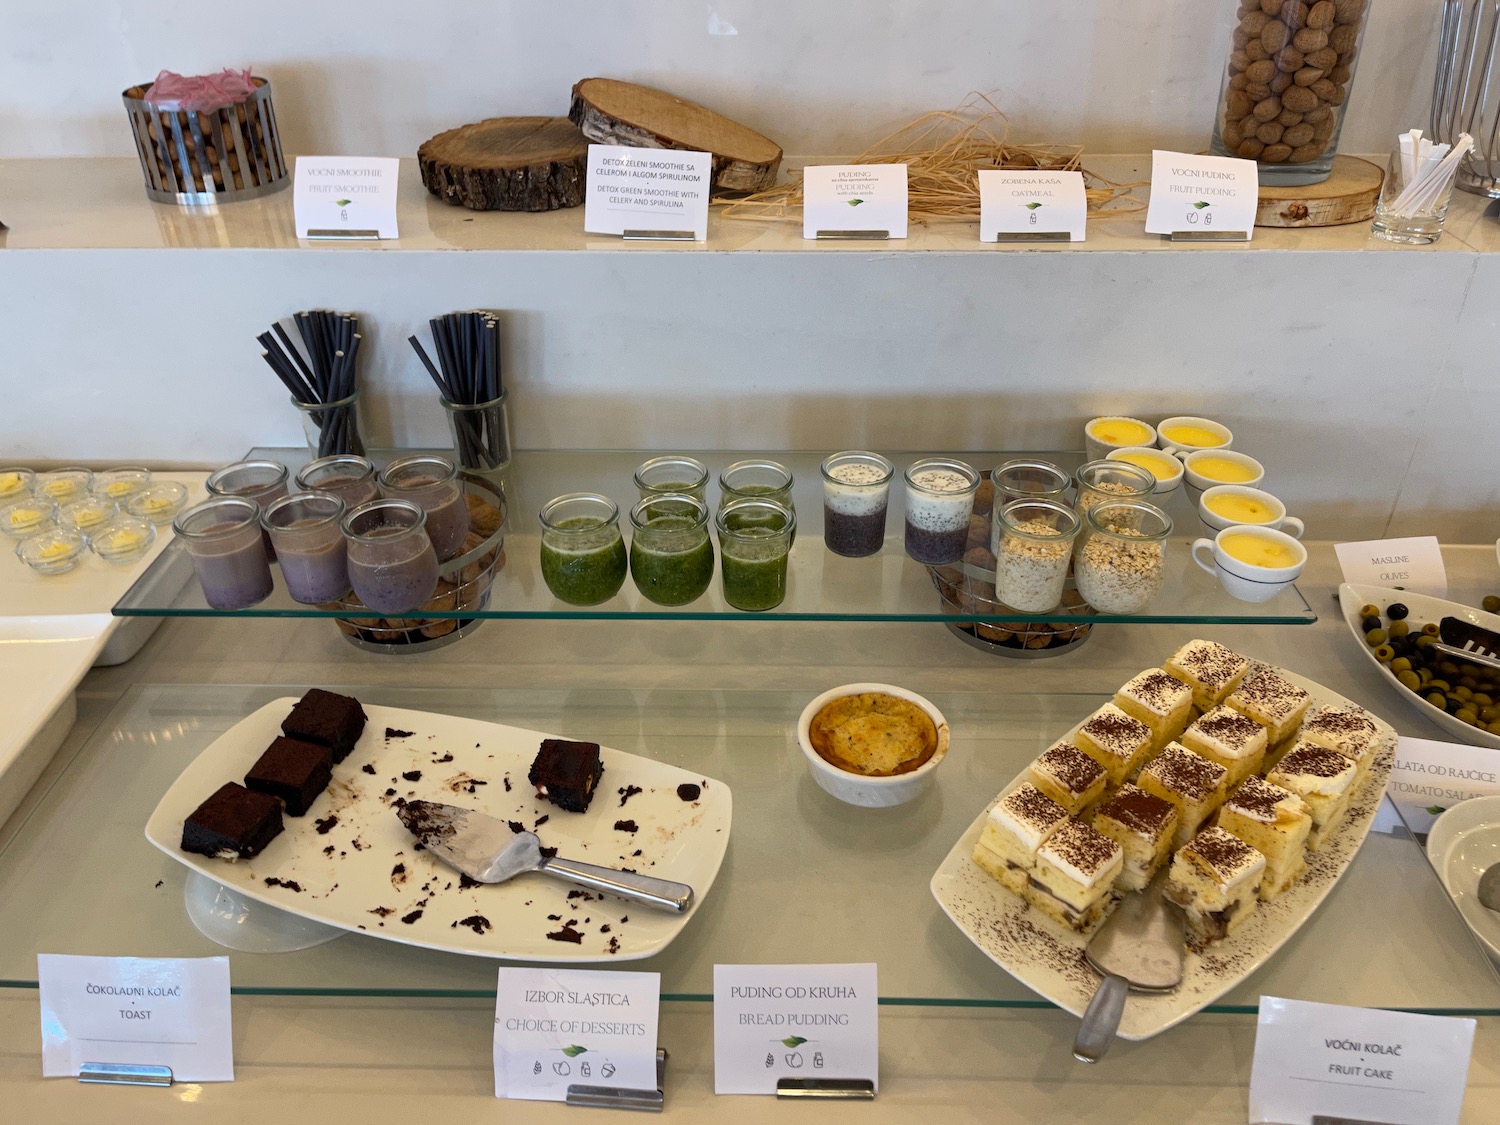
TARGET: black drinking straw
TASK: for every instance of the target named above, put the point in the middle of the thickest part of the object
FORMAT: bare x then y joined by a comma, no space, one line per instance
325,375
467,373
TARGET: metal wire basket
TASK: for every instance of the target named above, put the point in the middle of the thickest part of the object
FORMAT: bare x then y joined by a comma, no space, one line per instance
1463,98
216,157
464,583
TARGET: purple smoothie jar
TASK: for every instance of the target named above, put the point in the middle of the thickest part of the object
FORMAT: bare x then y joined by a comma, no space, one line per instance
392,565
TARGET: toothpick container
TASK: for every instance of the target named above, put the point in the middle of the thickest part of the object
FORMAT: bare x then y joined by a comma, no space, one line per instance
216,157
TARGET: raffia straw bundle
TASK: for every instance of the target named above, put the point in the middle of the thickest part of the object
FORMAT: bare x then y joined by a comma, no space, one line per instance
943,151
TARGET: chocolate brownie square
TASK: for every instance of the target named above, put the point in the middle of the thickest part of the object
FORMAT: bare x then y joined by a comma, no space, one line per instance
234,822
566,773
293,771
331,720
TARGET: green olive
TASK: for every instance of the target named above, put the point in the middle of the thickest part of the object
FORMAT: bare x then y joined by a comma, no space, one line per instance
1384,654
1439,685
1399,629
1489,713
1483,698
1491,603
1400,664
1375,637
1369,609
1409,679
1431,629
1437,699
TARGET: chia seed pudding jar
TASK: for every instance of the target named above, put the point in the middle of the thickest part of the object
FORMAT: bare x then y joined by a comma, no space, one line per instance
224,539
1024,480
939,500
347,476
1036,545
856,494
392,565
308,533
671,555
682,475
432,484
583,553
1121,562
261,481
1101,481
755,540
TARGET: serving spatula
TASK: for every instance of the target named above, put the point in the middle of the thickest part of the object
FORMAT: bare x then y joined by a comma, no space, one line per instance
488,850
1139,948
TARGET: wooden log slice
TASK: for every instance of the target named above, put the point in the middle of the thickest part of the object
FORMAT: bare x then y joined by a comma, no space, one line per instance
1347,196
611,112
507,164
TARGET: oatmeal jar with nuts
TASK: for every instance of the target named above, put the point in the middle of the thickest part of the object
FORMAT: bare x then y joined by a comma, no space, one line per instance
1036,543
1121,561
1291,63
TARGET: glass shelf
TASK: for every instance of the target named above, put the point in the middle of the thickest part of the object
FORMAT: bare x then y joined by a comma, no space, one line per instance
821,586
805,878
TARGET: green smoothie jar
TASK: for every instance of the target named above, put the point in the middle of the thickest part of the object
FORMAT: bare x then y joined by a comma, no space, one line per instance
583,553
662,475
755,539
671,556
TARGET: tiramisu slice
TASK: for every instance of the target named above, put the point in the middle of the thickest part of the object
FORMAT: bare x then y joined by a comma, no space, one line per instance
1347,730
1075,874
1069,776
1164,703
1237,742
1209,669
1016,827
1116,741
1272,701
1190,782
1144,827
1323,778
1275,822
1214,878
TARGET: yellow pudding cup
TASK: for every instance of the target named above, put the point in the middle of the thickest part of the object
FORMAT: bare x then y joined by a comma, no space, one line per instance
1186,434
1105,434
1209,468
1167,469
1252,563
1225,505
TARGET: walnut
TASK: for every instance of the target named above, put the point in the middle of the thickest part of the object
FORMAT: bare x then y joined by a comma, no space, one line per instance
1323,60
1340,75
1250,149
1239,38
1254,23
1271,7
1318,116
1269,133
980,557
1288,60
1255,50
1327,91
1341,39
979,529
984,495
1288,119
1304,153
1280,83
1231,136
1258,91
1307,76
1323,132
1276,154
1346,11
1294,14
1238,82
1321,15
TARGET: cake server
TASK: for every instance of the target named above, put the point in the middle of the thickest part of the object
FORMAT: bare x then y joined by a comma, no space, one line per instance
488,850
1139,948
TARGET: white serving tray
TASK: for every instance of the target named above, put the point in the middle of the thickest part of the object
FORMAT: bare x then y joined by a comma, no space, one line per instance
368,863
1048,958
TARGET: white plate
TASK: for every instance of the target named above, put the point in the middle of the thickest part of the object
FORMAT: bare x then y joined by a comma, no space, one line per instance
1463,843
350,873
1048,958
1423,609
41,661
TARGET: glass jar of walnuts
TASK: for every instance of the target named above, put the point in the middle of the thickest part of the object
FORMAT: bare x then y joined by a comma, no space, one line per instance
1291,63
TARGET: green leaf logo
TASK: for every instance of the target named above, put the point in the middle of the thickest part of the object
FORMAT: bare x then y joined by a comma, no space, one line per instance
343,202
1032,206
574,1051
855,202
1200,205
1436,810
793,1041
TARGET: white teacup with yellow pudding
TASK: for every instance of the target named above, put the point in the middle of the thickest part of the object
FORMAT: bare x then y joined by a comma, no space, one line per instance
1165,468
1253,564
1183,435
1102,436
1225,505
1208,468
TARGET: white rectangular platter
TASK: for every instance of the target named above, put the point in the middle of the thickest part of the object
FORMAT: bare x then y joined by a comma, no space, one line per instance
1048,958
363,872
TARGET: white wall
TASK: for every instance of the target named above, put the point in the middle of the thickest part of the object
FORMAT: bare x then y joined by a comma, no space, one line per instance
380,76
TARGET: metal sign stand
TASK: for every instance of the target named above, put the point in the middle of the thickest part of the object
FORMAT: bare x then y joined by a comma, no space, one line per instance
840,1089
1209,236
125,1074
618,1097
657,236
1034,236
862,235
335,234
